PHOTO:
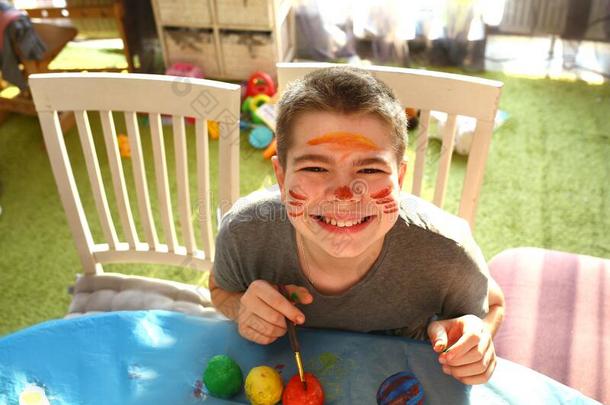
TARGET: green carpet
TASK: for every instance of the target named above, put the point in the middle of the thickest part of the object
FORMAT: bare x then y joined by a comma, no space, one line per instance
546,185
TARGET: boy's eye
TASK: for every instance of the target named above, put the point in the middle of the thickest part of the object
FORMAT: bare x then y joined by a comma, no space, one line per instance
314,169
370,171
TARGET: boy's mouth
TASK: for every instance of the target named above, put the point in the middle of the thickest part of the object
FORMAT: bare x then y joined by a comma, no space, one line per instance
343,225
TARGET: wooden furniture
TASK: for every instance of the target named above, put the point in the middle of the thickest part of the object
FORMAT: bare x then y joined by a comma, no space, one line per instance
154,95
557,316
427,91
55,37
227,39
112,9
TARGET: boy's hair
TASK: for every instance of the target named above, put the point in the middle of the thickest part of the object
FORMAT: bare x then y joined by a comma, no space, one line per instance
345,90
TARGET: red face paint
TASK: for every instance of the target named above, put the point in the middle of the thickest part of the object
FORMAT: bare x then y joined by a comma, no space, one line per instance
295,203
296,195
344,193
384,192
383,197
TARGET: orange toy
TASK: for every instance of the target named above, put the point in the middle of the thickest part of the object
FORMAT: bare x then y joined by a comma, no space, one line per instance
271,149
124,148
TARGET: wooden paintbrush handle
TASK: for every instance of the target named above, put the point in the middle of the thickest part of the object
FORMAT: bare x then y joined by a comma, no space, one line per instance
292,334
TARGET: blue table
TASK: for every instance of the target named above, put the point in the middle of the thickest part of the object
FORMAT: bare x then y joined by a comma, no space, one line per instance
157,357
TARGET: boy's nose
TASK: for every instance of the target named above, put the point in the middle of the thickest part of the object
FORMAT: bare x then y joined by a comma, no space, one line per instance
343,193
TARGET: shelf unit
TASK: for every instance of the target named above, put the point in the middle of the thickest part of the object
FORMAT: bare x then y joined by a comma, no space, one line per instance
227,39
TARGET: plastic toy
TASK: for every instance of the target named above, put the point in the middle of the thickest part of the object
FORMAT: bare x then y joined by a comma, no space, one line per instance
412,117
271,149
123,142
253,105
295,393
213,129
260,83
181,69
260,137
222,377
263,386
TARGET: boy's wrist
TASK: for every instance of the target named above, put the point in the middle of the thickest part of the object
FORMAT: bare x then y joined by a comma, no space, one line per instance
228,303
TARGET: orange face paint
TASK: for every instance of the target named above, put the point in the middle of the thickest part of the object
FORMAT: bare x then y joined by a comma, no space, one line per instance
345,140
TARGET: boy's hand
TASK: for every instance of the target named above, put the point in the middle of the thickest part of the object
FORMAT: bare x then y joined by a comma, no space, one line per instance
466,348
263,310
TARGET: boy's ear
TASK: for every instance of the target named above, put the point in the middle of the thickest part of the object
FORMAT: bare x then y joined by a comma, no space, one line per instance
280,175
402,171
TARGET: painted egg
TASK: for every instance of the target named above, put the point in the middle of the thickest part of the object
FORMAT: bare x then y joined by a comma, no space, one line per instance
296,394
263,386
401,388
33,395
222,377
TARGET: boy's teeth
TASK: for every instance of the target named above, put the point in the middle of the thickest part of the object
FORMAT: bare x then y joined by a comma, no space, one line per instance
342,224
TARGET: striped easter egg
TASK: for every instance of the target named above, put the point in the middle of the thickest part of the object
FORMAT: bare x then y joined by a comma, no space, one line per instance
402,388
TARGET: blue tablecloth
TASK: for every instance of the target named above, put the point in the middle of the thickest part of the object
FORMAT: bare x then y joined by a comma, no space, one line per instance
158,357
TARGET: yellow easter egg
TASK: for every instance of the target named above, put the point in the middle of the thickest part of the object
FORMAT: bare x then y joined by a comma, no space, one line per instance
263,386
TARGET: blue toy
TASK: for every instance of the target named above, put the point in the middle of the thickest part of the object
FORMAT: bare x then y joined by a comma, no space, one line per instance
260,137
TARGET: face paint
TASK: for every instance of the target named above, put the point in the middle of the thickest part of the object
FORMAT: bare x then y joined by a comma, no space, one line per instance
384,198
344,193
295,203
384,192
345,140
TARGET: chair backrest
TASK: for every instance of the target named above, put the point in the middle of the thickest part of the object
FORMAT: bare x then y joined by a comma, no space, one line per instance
435,91
155,95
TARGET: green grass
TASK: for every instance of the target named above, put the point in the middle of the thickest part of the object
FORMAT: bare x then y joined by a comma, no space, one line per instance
546,185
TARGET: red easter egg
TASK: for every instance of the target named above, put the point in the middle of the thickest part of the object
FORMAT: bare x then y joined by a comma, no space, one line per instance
295,394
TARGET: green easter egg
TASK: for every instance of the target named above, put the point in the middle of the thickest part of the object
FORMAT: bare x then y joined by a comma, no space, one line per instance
222,377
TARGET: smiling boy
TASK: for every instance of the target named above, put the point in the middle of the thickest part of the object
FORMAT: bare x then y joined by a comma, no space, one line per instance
359,254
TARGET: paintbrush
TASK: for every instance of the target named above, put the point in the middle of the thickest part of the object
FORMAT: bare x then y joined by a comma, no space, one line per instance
294,343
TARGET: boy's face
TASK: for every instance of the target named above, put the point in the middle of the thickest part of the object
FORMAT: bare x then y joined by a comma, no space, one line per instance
341,182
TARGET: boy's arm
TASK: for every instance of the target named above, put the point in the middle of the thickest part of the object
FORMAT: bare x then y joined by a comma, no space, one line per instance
495,315
226,302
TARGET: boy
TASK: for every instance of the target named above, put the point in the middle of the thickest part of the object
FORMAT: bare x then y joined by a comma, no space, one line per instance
355,253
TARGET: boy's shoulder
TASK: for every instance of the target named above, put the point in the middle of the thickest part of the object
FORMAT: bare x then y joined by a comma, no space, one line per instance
444,229
258,208
415,211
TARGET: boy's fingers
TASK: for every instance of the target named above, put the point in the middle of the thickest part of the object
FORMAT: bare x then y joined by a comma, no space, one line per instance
271,315
276,300
263,327
298,294
471,337
251,334
480,353
438,336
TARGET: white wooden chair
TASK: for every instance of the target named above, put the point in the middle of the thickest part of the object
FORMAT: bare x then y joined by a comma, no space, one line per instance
435,91
155,95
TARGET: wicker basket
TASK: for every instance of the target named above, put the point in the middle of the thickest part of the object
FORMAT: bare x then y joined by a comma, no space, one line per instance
194,46
246,52
184,12
245,13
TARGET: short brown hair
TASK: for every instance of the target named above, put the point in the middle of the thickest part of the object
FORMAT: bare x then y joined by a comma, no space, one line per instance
345,90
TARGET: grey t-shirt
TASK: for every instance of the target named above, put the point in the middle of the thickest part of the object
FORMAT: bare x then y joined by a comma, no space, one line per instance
429,266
